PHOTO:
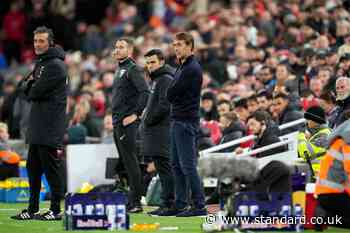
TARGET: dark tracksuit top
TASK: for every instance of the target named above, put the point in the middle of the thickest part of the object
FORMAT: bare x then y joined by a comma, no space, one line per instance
130,91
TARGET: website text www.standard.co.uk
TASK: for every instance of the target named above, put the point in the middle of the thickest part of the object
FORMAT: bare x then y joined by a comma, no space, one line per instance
290,220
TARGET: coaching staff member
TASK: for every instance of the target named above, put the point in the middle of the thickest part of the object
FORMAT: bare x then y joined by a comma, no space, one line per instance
156,124
184,95
130,92
46,88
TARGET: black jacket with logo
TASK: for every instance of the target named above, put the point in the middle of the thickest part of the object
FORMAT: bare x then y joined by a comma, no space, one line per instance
130,91
156,120
48,94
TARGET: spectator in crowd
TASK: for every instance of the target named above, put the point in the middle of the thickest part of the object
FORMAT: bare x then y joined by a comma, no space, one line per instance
9,160
156,123
14,26
184,96
130,92
264,100
107,133
260,125
252,104
312,144
208,109
46,88
328,103
224,106
232,128
240,107
342,88
76,132
286,113
275,176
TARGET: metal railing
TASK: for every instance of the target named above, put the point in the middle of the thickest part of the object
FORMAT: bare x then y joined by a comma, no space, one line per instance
247,138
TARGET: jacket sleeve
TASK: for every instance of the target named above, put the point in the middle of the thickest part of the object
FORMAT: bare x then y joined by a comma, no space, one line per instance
161,110
136,77
42,88
179,86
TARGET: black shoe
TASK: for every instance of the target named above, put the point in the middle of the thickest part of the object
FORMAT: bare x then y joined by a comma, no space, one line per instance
170,212
135,210
26,215
194,212
50,216
156,211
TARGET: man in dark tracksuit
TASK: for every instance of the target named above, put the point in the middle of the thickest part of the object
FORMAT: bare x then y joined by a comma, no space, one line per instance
156,124
46,88
130,92
184,95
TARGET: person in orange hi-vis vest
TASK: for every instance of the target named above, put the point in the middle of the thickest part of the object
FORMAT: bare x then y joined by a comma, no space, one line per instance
9,160
333,182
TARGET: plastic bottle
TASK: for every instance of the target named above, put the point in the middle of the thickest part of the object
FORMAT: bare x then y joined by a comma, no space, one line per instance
298,213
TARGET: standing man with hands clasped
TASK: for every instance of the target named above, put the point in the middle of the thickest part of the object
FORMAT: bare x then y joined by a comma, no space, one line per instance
130,92
184,95
46,87
156,124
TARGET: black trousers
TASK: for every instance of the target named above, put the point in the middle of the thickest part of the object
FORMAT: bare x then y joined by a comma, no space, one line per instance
45,160
274,177
166,176
125,140
336,205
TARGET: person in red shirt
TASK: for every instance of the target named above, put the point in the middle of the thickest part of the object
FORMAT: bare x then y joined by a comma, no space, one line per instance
14,28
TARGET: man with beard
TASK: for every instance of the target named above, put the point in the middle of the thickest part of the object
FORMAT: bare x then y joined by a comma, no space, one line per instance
342,87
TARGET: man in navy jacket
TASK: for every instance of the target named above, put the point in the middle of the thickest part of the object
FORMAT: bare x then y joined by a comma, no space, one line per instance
184,95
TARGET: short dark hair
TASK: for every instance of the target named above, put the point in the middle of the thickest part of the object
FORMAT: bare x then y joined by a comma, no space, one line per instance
260,115
264,93
187,37
128,40
224,102
231,116
44,29
156,52
240,103
252,98
281,95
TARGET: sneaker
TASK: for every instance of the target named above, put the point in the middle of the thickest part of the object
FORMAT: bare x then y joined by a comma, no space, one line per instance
135,210
50,216
193,212
26,215
170,212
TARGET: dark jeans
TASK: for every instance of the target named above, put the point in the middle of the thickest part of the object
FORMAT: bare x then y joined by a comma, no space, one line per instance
336,205
183,136
163,168
45,160
125,140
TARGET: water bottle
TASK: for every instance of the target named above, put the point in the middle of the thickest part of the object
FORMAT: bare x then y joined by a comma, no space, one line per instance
285,210
111,212
243,210
121,217
99,209
298,213
253,210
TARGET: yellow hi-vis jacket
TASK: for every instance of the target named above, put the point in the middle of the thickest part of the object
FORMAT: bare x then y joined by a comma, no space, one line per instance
315,147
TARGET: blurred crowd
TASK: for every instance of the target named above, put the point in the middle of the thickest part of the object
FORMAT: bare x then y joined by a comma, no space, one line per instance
278,56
